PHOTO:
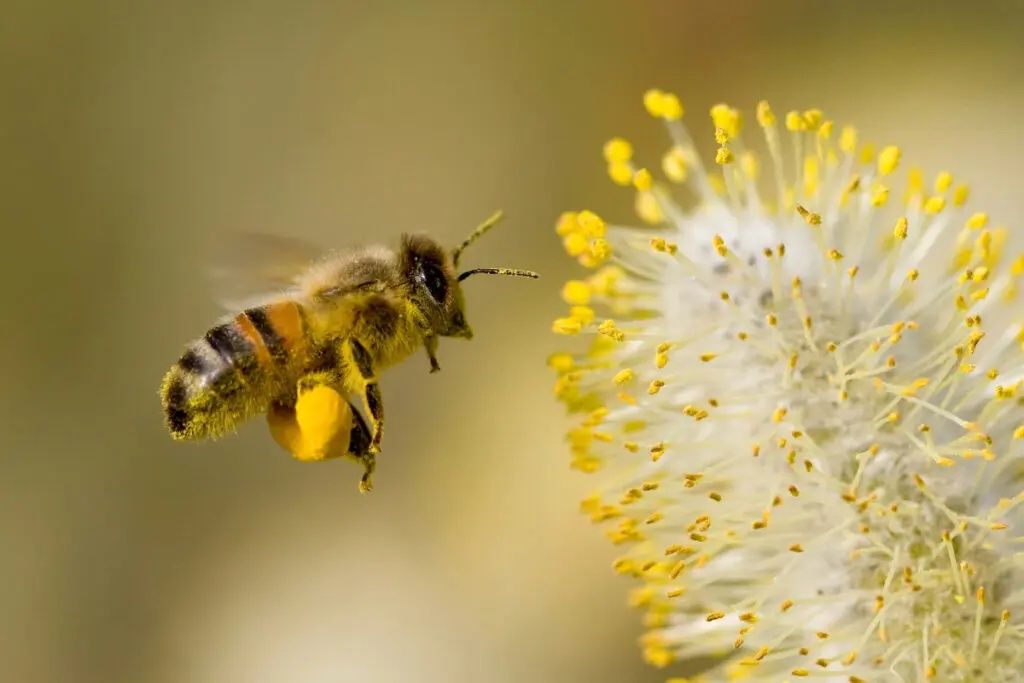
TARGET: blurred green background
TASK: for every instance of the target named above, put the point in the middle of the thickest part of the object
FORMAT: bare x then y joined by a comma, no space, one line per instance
135,133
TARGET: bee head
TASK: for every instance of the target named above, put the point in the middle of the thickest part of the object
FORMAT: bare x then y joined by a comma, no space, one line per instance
435,280
435,290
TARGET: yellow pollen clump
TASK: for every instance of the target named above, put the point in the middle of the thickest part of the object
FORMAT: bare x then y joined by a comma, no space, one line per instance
765,115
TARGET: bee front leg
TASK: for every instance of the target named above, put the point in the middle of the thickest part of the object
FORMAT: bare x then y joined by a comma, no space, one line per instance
365,382
430,343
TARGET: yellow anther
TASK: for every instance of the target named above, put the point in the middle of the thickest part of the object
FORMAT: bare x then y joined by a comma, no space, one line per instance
721,137
934,204
560,362
765,115
888,159
600,249
812,118
671,107
655,386
852,271
795,122
809,216
708,357
848,139
617,149
900,231
728,119
660,245
584,314
608,329
567,224
800,672
879,194
977,221
913,274
723,156
621,173
779,414
663,105
649,208
719,245
566,326
835,254
622,377
642,180
960,195
673,164
825,130
590,224
713,616
943,181
867,153
654,102
576,292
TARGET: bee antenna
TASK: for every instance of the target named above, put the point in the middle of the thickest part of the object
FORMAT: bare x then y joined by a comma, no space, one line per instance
499,271
476,234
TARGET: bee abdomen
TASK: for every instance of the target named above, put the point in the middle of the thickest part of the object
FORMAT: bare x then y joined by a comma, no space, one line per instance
226,376
206,391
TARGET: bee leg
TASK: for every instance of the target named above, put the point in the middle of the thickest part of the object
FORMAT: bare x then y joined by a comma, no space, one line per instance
359,446
367,385
430,343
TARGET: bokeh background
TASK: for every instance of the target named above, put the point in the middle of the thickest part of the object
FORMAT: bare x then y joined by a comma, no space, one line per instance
135,133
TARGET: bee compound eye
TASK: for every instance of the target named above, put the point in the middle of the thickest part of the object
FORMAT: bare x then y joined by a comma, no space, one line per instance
435,282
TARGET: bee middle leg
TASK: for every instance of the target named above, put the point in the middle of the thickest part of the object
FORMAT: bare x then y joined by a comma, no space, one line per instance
365,383
359,447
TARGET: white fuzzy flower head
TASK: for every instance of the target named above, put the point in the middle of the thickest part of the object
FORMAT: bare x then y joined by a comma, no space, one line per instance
800,392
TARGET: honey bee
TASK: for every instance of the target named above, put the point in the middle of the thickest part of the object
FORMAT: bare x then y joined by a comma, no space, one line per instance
343,320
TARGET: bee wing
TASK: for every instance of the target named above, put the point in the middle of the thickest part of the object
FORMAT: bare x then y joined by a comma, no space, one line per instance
251,268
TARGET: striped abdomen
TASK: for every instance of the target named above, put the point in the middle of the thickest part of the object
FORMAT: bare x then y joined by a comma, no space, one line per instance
232,372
